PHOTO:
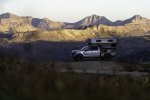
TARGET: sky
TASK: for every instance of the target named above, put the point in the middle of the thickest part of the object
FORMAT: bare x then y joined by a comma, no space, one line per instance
74,10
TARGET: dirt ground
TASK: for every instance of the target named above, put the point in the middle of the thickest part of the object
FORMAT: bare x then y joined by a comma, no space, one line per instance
98,67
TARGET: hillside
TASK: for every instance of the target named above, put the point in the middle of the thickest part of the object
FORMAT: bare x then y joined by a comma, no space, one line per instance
82,35
43,39
15,24
137,19
12,23
88,22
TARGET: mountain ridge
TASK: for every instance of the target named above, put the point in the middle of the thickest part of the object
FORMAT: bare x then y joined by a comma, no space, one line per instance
8,15
13,23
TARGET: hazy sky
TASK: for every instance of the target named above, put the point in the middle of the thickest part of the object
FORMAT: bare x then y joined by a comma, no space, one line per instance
74,10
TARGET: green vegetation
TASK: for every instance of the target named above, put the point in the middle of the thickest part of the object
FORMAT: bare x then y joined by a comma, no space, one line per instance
22,80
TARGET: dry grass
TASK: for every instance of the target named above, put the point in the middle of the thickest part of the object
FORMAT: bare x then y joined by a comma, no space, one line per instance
21,80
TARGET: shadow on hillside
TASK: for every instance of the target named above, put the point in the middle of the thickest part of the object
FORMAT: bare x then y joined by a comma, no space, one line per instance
42,50
133,49
128,49
8,36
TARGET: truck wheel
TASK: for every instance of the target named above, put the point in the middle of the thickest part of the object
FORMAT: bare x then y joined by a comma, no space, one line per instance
75,58
107,57
79,57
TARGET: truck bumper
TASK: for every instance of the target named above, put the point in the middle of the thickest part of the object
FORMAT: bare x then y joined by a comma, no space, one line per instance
74,55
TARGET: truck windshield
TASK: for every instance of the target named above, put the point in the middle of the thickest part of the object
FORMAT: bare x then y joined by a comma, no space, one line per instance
85,48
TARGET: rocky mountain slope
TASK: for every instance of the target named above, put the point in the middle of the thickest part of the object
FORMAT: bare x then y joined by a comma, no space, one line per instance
13,24
137,19
101,20
43,39
82,35
16,24
88,22
46,24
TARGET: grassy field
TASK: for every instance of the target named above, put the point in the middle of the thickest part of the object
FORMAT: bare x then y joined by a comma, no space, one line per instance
24,80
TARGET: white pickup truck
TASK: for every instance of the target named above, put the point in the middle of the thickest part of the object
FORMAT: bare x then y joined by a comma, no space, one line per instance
97,48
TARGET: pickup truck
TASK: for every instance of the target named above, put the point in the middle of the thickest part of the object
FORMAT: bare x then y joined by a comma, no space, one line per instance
104,48
92,52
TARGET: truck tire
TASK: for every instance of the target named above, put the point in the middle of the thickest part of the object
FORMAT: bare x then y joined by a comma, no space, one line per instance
107,57
75,58
79,57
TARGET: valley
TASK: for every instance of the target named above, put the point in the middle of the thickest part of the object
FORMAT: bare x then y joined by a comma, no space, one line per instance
36,60
31,38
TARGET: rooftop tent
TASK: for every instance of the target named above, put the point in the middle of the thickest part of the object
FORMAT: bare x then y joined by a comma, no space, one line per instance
103,42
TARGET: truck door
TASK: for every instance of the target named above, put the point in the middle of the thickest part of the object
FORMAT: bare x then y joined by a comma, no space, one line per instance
95,52
87,52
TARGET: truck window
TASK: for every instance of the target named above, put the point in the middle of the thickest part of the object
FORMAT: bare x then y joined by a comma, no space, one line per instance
110,40
85,48
98,40
94,48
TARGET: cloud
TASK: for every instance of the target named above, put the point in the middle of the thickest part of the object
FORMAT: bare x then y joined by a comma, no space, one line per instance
4,1
3,4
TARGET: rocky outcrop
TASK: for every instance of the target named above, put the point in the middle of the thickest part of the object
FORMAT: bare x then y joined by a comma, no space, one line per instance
89,22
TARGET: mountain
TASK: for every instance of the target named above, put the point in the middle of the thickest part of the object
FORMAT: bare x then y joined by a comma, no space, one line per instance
137,19
97,20
82,35
16,24
12,23
8,15
46,24
89,21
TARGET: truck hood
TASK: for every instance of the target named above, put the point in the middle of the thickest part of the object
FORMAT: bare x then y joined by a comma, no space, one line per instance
75,51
